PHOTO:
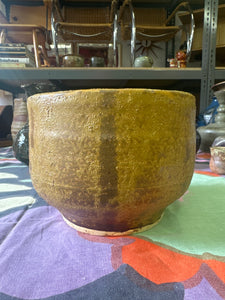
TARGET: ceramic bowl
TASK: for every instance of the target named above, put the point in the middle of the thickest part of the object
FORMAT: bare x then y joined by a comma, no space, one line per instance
143,62
111,160
97,61
73,61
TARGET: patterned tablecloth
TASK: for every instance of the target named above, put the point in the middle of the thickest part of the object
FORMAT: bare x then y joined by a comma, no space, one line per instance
41,257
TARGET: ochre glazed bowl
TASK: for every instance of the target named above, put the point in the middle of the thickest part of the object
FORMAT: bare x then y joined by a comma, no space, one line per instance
111,160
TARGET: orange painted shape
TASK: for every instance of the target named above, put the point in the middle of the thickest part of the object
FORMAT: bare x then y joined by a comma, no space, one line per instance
218,267
162,265
207,173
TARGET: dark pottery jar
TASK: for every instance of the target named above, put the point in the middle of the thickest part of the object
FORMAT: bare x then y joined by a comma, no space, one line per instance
198,141
97,61
21,144
21,140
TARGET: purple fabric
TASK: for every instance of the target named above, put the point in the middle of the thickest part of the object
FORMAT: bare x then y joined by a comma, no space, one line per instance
124,283
203,291
42,251
41,257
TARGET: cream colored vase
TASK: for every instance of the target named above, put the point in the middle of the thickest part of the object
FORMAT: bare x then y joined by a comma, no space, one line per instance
111,160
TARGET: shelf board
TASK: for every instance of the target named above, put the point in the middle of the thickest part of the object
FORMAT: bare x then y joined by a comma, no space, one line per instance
99,73
220,73
79,78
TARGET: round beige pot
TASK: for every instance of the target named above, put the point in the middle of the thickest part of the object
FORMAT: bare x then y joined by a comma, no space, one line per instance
112,160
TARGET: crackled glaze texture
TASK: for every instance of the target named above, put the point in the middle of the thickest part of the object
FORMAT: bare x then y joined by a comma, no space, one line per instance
112,160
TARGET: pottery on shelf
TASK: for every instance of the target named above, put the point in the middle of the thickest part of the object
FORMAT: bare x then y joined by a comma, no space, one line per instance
209,132
71,60
112,160
143,62
97,61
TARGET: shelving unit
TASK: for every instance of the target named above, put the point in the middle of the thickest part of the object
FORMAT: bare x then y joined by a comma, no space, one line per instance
208,51
8,75
82,78
126,77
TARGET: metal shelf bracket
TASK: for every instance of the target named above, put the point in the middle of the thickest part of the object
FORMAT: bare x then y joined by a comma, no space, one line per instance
208,52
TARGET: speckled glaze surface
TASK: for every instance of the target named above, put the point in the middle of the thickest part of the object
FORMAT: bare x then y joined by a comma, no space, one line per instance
112,159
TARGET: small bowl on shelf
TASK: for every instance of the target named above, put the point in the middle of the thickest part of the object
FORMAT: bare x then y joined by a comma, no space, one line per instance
143,62
97,61
72,61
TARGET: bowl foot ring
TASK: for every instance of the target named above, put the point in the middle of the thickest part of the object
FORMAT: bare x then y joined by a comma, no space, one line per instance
111,233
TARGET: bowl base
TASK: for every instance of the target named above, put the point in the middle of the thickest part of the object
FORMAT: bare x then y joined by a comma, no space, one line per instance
111,233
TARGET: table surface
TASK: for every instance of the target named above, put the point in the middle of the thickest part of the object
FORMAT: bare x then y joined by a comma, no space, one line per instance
41,257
